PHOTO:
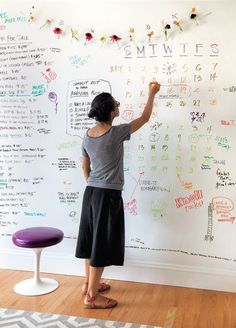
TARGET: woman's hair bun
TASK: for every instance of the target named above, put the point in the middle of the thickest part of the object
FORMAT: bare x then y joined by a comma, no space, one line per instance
92,113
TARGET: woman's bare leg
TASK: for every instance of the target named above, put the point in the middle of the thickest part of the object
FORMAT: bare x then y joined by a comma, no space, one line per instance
93,298
86,281
95,274
101,285
87,266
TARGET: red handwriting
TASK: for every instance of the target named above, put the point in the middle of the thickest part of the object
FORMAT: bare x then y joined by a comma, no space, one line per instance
194,197
131,206
223,207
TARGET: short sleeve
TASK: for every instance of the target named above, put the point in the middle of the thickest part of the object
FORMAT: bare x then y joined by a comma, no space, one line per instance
84,153
123,132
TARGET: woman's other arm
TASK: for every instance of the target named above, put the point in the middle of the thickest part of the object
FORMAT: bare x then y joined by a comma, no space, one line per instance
86,167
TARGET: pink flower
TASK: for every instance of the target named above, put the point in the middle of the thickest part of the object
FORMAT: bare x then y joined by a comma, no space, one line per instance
88,36
57,31
115,38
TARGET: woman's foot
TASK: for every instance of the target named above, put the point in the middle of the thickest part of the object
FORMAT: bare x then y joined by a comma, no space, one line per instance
99,302
102,287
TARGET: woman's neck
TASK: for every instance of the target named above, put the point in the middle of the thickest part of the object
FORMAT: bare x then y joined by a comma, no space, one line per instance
104,124
99,129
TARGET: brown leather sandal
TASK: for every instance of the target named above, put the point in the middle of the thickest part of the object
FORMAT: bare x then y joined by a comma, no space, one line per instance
108,304
102,287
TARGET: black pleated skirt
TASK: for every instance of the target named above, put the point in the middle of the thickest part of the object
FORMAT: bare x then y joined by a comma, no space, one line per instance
101,232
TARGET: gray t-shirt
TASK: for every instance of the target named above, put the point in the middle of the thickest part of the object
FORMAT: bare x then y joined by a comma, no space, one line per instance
106,157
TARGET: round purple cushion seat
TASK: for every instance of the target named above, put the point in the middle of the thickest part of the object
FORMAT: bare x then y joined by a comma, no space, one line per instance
37,237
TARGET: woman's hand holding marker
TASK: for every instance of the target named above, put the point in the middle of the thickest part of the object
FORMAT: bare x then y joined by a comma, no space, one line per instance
154,87
136,124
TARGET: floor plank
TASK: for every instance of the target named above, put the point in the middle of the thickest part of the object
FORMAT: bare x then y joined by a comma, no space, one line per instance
157,305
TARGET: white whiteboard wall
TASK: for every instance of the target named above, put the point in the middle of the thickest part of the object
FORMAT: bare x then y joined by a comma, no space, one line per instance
180,185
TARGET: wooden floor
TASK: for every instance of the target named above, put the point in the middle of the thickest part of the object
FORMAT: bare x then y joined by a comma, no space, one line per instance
157,305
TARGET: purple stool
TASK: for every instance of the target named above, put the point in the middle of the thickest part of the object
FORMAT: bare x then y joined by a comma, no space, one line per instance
37,238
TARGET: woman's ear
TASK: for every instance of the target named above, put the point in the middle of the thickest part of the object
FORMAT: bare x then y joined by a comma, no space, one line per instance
115,113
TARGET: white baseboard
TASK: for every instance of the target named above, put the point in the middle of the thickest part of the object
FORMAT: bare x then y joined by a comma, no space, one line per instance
133,270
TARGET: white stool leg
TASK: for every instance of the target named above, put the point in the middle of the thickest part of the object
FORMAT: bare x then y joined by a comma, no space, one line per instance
36,285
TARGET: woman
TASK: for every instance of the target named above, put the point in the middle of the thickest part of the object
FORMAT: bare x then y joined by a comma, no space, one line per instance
101,233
